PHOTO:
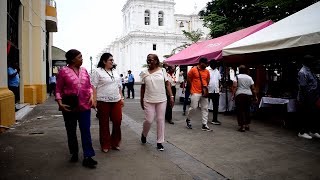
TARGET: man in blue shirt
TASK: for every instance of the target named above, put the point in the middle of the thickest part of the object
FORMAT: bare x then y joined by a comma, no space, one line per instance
14,79
308,95
130,84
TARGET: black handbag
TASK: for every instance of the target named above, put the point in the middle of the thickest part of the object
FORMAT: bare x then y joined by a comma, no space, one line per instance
71,100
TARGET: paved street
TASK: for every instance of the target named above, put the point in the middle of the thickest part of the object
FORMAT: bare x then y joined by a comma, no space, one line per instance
36,148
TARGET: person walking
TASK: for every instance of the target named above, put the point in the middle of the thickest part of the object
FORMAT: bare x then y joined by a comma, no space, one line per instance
52,84
173,83
75,99
199,78
214,90
153,98
130,84
107,92
243,98
308,99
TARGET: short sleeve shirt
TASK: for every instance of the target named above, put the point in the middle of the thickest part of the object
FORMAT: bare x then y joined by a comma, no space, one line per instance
15,80
244,84
215,77
194,77
107,87
155,90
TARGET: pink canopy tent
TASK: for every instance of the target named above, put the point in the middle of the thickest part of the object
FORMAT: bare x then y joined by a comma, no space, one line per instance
212,49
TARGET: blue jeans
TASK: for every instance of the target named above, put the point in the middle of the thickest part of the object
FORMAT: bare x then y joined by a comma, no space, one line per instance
70,120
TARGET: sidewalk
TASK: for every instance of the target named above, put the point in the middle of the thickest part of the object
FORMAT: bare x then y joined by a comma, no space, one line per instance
36,149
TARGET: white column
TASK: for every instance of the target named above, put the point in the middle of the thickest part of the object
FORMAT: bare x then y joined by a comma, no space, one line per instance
3,44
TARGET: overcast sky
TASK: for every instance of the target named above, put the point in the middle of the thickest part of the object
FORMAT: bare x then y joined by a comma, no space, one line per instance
92,25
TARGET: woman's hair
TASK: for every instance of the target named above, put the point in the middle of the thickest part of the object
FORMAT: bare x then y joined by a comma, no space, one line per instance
243,69
104,57
156,58
71,54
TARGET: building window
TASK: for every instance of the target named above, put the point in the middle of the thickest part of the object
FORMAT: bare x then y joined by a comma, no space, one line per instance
154,47
181,24
160,18
147,17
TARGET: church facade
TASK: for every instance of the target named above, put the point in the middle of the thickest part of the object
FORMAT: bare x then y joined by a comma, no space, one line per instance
150,26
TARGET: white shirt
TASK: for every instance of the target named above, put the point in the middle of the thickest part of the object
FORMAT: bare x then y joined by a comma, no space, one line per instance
155,90
107,85
215,77
172,79
244,83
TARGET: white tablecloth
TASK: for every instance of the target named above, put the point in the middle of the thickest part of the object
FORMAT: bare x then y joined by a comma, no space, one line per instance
222,103
268,101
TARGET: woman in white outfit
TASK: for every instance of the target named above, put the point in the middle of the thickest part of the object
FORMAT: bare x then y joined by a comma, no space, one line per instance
153,98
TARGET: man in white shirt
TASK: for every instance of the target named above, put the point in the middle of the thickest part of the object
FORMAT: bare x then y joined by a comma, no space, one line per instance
214,90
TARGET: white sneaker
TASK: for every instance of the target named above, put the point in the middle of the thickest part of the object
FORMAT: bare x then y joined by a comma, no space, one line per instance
315,135
305,135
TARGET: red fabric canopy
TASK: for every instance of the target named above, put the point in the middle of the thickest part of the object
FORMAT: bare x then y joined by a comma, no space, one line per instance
212,49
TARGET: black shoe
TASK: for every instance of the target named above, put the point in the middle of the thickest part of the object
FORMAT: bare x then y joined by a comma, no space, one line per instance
216,122
89,162
160,147
184,113
205,128
128,97
242,129
143,139
170,121
74,158
189,126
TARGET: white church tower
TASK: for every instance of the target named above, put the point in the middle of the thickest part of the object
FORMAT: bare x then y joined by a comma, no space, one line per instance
150,26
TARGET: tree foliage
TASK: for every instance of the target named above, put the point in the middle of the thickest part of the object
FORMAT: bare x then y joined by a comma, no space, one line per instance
193,36
226,16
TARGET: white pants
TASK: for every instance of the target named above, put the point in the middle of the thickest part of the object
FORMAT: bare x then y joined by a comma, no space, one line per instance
197,99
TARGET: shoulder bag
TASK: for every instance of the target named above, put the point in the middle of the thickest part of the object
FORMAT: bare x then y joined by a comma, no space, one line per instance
204,89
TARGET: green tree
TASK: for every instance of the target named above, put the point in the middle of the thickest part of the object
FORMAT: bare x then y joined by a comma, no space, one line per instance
193,36
226,16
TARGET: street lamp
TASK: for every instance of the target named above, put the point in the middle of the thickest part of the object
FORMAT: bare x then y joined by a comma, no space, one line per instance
91,64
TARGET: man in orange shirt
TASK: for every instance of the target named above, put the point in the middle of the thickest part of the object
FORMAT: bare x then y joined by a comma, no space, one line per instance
199,77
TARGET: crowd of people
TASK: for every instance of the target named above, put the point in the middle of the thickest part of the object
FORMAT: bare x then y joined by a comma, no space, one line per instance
76,93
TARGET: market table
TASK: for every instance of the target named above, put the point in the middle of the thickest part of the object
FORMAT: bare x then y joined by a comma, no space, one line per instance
269,101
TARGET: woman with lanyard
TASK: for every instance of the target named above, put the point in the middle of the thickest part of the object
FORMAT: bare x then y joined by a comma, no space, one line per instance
109,100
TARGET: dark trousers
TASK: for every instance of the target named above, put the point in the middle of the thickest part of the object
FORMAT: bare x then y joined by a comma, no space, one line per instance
16,93
52,89
109,111
123,87
186,100
214,97
309,118
130,89
243,103
168,115
70,120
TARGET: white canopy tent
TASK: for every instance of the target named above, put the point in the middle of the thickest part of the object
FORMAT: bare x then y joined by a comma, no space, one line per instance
299,29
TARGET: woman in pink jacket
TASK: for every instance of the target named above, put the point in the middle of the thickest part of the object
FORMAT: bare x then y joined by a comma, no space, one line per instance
75,99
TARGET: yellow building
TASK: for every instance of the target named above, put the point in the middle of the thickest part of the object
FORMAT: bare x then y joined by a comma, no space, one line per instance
25,38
